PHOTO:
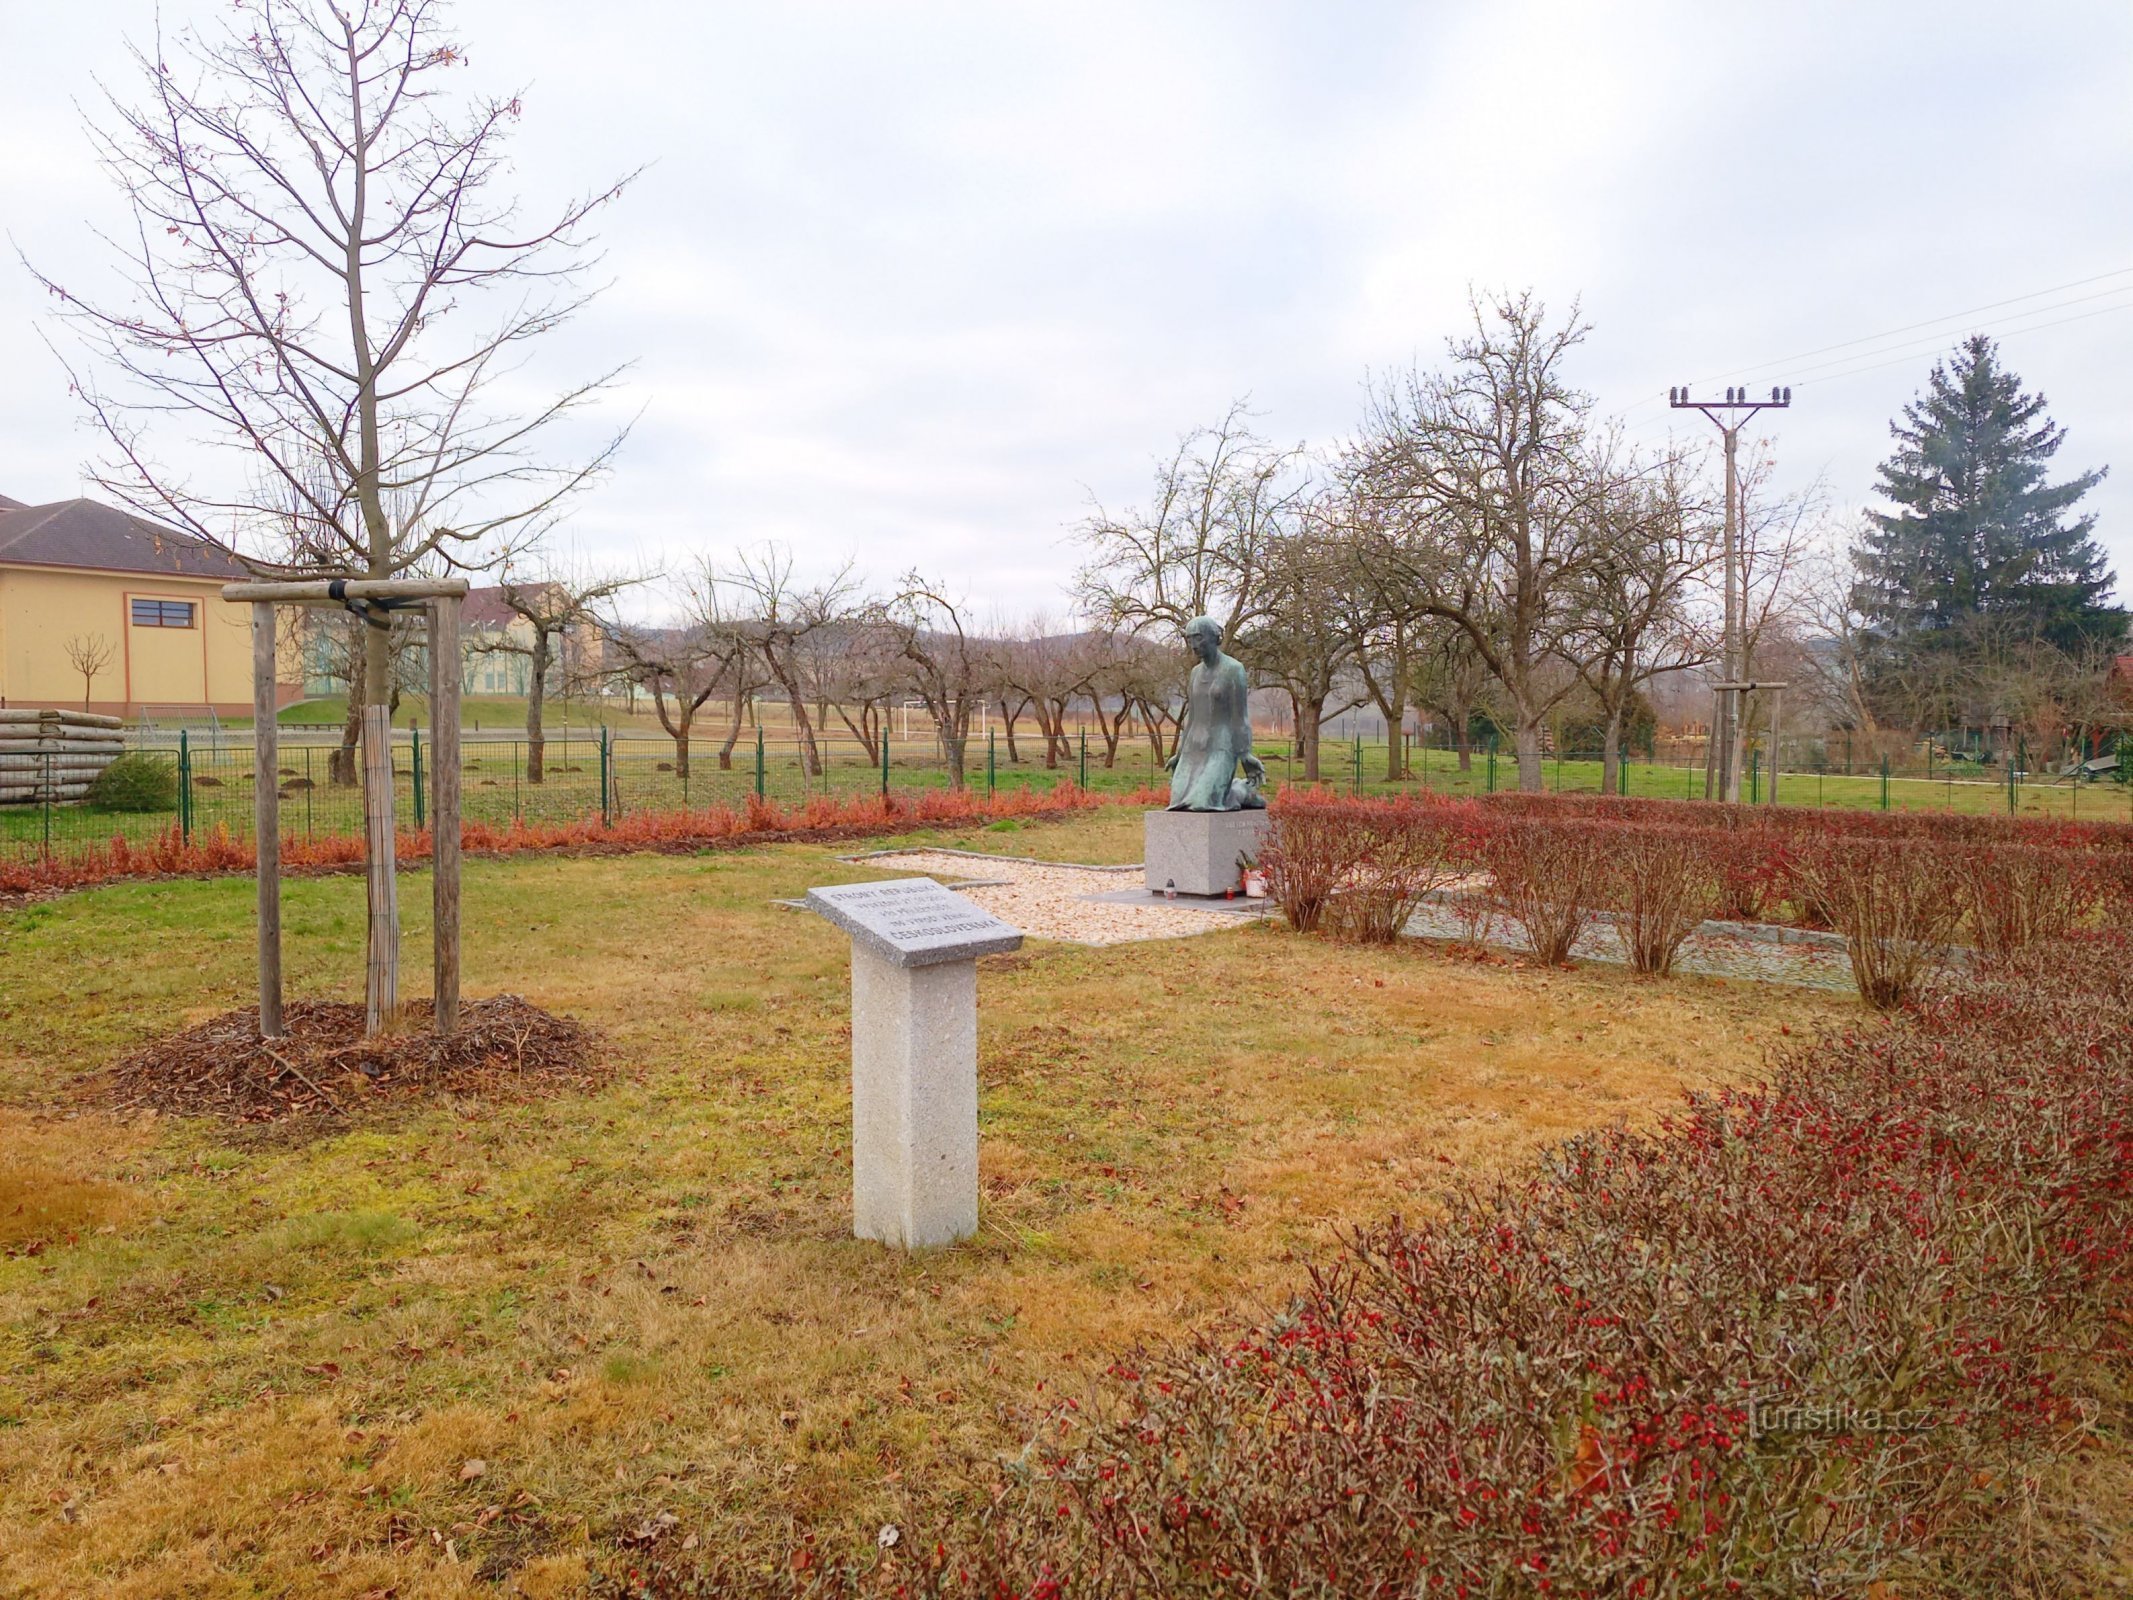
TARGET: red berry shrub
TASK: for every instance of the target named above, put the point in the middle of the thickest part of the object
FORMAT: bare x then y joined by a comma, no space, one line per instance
1661,882
1896,901
1360,868
1548,876
1811,1338
2023,894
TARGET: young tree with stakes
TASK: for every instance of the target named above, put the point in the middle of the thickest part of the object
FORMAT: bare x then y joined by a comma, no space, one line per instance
323,279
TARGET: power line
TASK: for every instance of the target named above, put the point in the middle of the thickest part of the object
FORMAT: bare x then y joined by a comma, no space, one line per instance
1953,316
2035,327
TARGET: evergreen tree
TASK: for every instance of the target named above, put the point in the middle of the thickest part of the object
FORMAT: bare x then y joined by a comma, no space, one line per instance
1978,543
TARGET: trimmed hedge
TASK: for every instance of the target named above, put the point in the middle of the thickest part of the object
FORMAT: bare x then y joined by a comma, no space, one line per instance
1814,1337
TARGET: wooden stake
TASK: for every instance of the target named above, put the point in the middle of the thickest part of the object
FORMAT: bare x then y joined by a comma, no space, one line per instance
381,988
266,816
444,808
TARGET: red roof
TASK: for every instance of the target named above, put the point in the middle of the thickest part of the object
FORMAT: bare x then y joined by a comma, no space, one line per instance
83,533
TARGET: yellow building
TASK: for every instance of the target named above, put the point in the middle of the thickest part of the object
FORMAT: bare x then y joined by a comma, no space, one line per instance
102,607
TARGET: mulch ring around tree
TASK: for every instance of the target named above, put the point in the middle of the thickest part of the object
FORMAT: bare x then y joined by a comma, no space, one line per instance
325,1067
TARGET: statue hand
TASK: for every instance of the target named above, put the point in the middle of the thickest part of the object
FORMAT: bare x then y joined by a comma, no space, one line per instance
1254,768
1171,765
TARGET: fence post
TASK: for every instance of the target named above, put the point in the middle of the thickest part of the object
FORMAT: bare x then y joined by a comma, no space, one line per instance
415,733
2010,788
1492,763
992,762
606,813
46,808
1084,758
759,761
1755,777
185,793
1355,777
885,759
1884,783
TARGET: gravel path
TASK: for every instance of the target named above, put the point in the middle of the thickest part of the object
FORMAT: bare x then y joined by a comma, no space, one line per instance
1050,901
1709,952
1093,905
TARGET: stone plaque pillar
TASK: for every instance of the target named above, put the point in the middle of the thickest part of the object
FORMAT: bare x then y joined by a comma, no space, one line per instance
914,1054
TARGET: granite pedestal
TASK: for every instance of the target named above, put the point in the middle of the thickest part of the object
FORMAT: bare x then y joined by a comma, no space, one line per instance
1200,851
914,1055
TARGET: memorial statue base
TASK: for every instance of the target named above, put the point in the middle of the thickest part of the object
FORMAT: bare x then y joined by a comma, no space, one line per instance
1201,852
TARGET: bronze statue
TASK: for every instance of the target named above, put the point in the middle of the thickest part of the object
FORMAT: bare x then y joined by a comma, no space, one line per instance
1216,735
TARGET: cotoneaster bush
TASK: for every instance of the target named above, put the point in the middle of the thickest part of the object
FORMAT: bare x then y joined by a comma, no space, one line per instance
1815,1337
216,850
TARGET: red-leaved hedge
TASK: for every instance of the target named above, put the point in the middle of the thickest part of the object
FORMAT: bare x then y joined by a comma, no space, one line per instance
1815,1337
216,851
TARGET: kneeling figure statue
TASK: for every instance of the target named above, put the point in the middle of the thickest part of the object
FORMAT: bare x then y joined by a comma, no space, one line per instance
1216,736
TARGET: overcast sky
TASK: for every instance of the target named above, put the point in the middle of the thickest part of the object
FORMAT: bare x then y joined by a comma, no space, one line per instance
909,283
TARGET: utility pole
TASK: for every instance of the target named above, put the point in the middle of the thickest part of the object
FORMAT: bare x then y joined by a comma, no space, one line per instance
1729,719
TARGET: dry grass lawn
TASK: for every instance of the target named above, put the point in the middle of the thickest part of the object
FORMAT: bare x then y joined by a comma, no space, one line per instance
260,1362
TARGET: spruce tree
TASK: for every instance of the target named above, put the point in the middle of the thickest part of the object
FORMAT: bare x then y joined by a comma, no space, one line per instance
1978,542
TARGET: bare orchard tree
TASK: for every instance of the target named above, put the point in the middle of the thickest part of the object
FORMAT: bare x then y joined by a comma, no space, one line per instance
1111,679
1486,473
1050,668
1835,672
685,663
1383,613
328,291
776,615
1199,547
948,667
854,667
556,603
1635,592
1451,681
1152,679
1301,645
89,654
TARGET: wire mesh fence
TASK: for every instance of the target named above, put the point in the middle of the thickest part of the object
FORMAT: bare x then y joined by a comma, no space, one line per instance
598,773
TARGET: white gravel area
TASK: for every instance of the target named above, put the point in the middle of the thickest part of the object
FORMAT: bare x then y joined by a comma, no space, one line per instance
1050,901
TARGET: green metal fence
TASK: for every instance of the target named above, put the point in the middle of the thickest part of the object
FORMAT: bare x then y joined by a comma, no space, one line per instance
597,773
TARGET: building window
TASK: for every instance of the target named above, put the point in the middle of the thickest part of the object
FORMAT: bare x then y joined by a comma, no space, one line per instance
162,613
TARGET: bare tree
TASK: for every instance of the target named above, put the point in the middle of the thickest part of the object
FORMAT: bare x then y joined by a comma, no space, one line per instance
555,603
90,653
316,230
949,668
1301,645
778,617
1634,593
1199,547
1452,681
1836,673
683,665
1049,669
855,667
1485,470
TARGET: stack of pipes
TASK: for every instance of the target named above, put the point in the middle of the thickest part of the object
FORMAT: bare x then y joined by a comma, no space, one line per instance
54,755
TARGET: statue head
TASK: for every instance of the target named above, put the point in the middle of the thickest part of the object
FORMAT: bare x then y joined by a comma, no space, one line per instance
1203,636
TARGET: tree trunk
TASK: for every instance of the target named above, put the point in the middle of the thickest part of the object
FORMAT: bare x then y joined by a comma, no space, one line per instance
1463,740
733,732
1532,777
1308,718
1048,725
955,736
685,716
1611,753
1394,709
341,765
1007,726
536,702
